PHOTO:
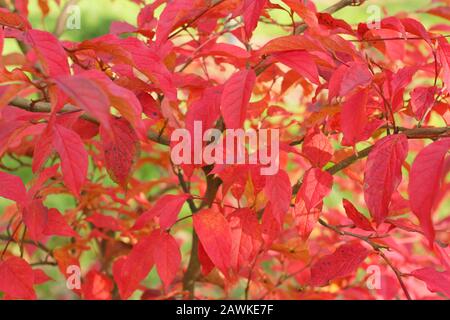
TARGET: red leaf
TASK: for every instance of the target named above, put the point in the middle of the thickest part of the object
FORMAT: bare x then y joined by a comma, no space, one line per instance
436,281
121,98
13,20
317,148
40,276
279,191
17,279
166,208
354,118
167,258
306,220
88,96
357,74
444,59
57,225
12,188
316,185
235,98
251,14
131,270
214,233
247,237
357,217
121,150
74,158
443,12
422,98
35,217
339,264
300,61
383,174
97,286
424,183
105,222
50,52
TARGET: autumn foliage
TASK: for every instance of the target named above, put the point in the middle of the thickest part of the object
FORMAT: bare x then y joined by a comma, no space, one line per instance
359,207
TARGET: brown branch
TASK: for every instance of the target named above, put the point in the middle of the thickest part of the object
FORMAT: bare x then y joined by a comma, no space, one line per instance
416,133
45,107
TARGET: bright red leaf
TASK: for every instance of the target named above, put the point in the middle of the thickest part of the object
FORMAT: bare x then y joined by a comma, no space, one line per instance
383,174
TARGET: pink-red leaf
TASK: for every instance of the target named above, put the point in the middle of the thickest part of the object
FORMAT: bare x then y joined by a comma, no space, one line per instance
424,182
12,188
57,225
87,95
357,217
166,208
300,61
121,150
251,14
436,281
339,264
235,98
316,185
50,52
354,117
167,258
131,270
383,174
74,157
35,217
279,191
17,279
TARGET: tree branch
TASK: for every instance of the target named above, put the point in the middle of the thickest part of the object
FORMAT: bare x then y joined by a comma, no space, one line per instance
416,133
45,107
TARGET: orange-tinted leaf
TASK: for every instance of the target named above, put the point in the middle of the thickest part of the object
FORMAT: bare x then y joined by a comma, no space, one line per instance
97,286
